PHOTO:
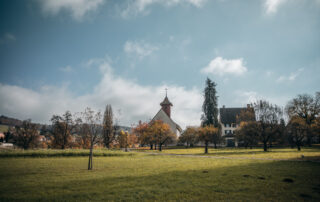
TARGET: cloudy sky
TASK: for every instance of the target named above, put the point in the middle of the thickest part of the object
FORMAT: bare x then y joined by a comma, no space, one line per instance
58,55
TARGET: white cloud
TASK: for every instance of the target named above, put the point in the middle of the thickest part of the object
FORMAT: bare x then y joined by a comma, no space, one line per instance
291,77
140,49
66,69
137,102
78,8
6,38
220,66
247,97
136,7
273,5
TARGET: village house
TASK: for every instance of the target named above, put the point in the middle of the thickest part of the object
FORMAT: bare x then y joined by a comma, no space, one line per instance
228,121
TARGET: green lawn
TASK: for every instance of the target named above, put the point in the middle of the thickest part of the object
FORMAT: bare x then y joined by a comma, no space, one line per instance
60,153
141,176
282,153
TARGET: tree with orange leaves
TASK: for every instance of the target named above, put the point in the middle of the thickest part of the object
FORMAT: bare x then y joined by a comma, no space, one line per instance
209,134
161,133
297,128
144,134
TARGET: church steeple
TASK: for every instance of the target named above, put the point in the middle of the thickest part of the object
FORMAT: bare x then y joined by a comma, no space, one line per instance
166,105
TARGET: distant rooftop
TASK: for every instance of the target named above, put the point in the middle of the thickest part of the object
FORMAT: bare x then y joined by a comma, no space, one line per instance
229,115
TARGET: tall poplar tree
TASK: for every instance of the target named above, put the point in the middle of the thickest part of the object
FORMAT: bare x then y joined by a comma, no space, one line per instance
108,130
210,105
210,131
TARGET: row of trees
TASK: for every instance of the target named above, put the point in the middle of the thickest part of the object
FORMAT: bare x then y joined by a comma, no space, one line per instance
266,123
262,123
86,130
68,132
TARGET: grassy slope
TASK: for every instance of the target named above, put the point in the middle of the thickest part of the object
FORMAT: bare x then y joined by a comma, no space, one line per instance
3,128
145,177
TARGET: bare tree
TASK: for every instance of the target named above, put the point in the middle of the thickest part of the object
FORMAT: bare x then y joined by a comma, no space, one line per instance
268,117
308,108
108,128
92,124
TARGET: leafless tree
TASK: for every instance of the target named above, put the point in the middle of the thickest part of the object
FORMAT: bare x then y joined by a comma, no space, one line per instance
306,107
92,124
268,117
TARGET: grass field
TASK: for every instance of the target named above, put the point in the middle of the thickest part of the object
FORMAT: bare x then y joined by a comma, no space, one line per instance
255,153
3,128
141,176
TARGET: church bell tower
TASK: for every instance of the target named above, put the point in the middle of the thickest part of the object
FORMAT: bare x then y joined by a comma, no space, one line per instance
166,105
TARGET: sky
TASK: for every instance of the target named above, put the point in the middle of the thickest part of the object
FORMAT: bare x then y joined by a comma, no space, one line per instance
58,55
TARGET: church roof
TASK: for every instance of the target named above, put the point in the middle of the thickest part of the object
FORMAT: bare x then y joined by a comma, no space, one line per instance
166,102
167,119
229,115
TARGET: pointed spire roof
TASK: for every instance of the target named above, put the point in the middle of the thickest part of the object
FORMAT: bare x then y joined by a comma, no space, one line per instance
166,102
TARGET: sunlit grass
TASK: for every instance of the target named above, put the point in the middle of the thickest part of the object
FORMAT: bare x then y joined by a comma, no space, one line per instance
163,178
273,153
58,153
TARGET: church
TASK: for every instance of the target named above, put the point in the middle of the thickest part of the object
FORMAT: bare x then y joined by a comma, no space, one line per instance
164,114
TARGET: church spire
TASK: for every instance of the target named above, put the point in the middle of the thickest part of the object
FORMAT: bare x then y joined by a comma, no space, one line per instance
166,105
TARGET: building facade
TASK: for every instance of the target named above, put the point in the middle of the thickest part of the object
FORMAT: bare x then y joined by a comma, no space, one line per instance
228,121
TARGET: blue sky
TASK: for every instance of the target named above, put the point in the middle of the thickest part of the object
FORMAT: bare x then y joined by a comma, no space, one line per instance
66,55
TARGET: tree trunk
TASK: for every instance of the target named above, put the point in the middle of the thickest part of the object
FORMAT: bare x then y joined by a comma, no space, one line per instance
206,147
90,157
265,146
299,148
151,146
160,147
155,146
215,145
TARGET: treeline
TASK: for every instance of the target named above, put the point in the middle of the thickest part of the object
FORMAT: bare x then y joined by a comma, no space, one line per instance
302,127
72,131
263,124
9,121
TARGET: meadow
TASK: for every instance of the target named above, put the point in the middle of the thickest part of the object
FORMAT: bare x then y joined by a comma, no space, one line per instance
143,176
308,153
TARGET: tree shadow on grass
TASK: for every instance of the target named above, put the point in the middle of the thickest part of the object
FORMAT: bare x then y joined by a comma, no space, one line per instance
251,182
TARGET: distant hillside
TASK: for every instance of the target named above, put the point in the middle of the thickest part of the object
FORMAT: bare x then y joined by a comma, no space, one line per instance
9,121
